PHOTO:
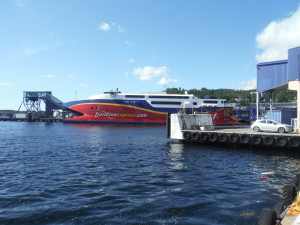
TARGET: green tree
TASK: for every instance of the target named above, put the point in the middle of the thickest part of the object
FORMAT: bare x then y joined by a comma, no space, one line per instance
244,96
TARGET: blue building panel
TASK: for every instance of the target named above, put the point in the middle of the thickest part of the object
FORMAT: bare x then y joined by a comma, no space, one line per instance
283,116
271,74
294,64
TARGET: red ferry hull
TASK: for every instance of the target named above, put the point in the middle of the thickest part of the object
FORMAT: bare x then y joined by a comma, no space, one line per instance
118,113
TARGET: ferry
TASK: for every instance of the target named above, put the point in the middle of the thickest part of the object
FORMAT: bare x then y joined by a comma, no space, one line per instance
148,108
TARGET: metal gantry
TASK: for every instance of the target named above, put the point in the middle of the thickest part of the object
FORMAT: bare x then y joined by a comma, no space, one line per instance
32,102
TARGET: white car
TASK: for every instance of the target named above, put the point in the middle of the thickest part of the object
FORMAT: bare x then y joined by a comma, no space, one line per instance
271,126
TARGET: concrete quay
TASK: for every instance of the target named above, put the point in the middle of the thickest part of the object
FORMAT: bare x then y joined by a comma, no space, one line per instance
243,136
31,120
198,128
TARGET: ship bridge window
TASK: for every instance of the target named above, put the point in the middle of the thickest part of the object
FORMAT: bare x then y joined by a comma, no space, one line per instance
134,96
164,96
210,101
194,103
165,103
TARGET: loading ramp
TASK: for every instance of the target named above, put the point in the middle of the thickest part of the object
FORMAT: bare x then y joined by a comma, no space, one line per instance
32,102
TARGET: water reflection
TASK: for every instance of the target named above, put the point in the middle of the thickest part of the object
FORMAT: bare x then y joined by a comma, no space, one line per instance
111,125
175,153
284,165
83,174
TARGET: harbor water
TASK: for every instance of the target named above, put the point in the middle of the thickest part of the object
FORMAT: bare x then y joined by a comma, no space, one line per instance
56,173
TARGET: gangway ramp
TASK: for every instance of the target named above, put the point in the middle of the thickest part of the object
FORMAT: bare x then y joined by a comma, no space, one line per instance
32,102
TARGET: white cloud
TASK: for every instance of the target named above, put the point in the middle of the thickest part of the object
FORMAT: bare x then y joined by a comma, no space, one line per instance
21,3
48,76
120,29
165,80
2,84
83,85
245,85
150,73
129,43
277,37
130,60
70,76
29,51
110,26
104,26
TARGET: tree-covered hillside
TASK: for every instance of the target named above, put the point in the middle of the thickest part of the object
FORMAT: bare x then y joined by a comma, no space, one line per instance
241,97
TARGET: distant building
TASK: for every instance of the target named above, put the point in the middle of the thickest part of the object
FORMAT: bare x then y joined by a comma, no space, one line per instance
20,115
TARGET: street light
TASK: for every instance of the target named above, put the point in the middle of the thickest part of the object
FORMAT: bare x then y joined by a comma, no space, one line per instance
256,102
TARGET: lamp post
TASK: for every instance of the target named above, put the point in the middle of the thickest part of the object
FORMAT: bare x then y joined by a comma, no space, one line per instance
256,102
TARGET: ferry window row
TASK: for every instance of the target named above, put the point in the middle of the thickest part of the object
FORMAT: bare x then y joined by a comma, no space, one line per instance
165,103
211,101
169,103
157,96
163,96
134,96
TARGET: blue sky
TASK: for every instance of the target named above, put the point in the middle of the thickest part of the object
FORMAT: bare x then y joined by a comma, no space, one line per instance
78,48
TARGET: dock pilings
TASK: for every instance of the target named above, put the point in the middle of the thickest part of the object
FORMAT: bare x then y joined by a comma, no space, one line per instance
242,137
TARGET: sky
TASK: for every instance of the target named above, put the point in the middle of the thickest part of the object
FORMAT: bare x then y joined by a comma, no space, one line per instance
78,48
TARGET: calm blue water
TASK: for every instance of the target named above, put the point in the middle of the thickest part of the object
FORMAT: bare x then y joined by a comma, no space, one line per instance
59,173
